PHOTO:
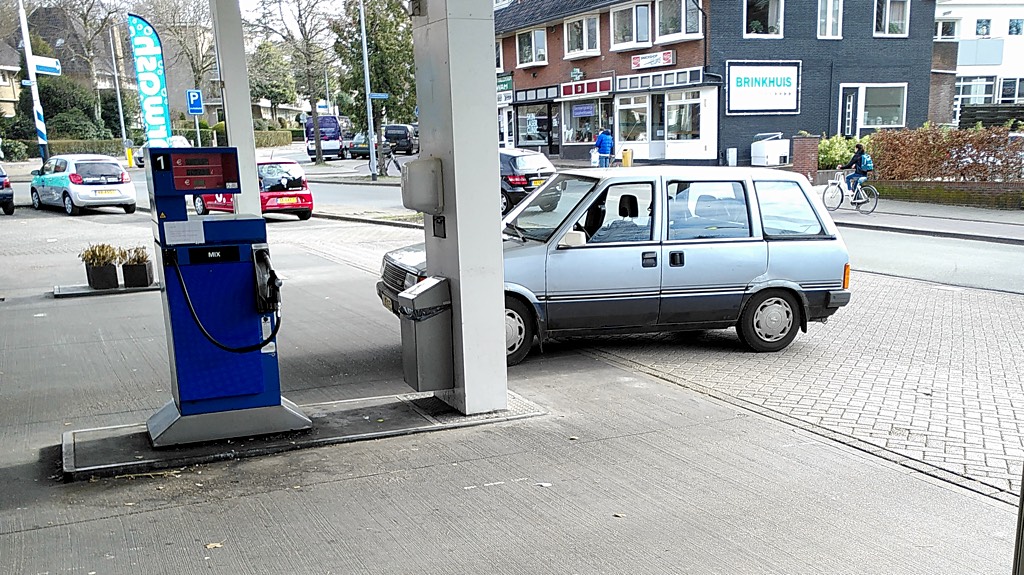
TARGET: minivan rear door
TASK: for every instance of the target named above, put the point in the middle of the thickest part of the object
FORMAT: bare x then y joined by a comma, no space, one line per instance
711,254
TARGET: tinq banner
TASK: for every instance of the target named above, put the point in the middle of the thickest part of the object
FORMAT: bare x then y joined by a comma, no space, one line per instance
149,70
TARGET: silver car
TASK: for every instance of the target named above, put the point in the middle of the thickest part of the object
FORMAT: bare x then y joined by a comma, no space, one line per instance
75,181
659,249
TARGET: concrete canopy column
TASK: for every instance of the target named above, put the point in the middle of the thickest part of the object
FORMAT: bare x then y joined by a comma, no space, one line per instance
234,89
453,46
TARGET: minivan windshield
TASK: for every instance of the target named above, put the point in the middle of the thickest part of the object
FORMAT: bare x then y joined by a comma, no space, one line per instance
550,205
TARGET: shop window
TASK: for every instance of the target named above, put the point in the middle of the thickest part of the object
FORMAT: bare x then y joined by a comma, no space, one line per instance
1016,26
683,115
534,125
892,17
499,66
585,120
830,19
678,19
632,119
786,211
885,106
983,26
532,48
946,29
631,27
581,37
763,18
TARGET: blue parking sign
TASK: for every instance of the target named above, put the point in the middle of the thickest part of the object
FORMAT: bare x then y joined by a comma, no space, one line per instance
194,99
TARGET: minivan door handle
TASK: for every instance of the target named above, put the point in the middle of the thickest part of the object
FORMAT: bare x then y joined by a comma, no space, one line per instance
676,259
650,259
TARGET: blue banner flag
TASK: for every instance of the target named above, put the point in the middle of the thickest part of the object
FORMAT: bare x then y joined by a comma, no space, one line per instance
149,70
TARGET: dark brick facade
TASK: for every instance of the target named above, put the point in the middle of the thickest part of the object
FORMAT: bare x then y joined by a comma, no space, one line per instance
858,58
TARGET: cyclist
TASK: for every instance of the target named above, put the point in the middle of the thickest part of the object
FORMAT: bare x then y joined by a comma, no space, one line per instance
860,173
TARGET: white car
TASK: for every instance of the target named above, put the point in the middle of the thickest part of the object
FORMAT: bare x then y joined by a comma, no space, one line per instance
76,181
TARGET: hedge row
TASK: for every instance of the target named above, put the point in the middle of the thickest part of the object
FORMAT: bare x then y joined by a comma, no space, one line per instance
107,147
206,135
273,138
934,153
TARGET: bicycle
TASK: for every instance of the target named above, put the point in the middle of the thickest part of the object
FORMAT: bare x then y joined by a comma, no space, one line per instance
836,191
385,160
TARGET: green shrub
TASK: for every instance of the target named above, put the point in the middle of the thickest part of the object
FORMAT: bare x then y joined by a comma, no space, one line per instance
73,125
222,133
106,147
273,138
837,150
206,135
298,135
14,151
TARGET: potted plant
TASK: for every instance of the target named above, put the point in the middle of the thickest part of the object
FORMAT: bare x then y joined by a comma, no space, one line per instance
100,265
136,266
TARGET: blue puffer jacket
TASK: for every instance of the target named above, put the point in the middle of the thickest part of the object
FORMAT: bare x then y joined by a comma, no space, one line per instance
604,143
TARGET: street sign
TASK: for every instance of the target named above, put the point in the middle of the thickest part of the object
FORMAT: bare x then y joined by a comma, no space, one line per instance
378,96
48,66
416,111
194,99
26,83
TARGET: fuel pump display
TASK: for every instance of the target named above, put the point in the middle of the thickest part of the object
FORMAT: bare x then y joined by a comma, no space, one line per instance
222,306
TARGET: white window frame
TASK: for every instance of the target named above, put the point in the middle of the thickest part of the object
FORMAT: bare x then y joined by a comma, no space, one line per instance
829,21
974,80
633,45
683,35
886,34
500,46
585,52
938,37
765,35
535,62
861,101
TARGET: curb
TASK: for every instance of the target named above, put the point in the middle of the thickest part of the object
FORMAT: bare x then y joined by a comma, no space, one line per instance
933,233
357,219
341,181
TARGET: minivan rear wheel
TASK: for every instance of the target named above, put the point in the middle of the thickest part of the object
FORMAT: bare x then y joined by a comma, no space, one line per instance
770,321
519,330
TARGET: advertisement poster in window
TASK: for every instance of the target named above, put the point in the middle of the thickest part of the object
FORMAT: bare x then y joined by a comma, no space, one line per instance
762,87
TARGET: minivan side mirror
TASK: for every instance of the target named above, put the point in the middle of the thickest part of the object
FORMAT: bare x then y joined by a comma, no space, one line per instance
573,239
35,172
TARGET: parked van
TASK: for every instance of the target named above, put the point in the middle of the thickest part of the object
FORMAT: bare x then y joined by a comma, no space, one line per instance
335,137
661,249
403,138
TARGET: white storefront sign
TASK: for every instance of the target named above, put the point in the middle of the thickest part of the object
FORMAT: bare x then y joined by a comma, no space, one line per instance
664,58
762,87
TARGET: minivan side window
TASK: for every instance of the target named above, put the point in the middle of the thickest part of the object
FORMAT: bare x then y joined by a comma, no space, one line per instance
786,211
622,213
707,210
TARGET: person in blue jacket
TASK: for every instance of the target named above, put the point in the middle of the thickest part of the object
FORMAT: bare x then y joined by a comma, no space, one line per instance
604,146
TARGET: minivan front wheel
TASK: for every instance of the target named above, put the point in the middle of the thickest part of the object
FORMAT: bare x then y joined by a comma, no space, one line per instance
519,330
770,321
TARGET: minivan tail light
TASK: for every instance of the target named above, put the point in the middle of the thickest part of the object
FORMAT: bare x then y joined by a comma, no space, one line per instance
75,178
846,277
516,180
125,178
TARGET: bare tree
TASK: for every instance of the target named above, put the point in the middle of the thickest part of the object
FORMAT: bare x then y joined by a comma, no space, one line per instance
304,26
86,35
188,24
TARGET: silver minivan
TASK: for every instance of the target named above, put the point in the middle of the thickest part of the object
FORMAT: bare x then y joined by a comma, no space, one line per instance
659,249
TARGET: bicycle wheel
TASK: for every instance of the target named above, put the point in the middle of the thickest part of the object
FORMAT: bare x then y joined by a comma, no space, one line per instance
832,197
871,195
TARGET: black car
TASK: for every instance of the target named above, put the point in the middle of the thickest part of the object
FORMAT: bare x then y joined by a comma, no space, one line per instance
403,138
522,171
6,193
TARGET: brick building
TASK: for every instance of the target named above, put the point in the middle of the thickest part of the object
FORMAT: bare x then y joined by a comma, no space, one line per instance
690,81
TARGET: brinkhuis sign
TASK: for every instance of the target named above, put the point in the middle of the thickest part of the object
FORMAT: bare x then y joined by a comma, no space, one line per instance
756,87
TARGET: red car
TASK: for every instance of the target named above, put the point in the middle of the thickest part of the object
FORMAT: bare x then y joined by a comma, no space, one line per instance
283,190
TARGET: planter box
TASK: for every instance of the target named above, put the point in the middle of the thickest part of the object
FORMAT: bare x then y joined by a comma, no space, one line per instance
138,275
102,277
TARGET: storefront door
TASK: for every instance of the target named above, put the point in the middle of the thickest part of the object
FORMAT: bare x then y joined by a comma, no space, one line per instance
506,129
657,131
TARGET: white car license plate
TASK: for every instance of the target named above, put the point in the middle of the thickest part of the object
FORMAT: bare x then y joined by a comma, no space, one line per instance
106,193
537,182
288,200
388,304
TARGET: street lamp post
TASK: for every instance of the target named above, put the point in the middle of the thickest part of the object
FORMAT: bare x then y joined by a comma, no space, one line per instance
117,90
371,131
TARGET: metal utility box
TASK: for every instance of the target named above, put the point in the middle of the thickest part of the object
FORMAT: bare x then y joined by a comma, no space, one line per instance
426,312
769,149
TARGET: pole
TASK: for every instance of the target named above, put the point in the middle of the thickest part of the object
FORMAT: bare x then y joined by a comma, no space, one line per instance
117,91
371,132
199,135
37,108
327,90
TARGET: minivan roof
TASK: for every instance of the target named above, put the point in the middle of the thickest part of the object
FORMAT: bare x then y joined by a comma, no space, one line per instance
685,172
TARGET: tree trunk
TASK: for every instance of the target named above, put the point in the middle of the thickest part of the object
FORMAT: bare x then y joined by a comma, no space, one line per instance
98,108
314,117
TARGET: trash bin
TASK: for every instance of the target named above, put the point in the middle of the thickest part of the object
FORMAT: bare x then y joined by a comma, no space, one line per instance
425,310
627,158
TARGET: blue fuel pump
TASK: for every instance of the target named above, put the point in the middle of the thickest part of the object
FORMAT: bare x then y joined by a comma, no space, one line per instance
222,306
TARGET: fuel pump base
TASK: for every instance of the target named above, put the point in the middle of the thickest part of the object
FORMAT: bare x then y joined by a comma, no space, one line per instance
168,427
